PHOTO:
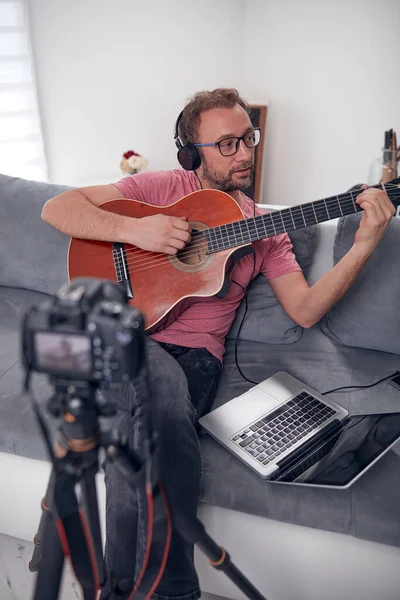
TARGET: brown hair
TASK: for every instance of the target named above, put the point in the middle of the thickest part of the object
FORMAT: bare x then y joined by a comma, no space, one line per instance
202,101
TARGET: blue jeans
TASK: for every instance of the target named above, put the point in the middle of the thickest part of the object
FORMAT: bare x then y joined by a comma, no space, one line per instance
182,385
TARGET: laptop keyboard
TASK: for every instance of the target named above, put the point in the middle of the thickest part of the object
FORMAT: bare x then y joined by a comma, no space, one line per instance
270,436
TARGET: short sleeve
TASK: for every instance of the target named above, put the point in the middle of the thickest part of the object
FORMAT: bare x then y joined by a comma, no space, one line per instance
279,259
149,186
159,188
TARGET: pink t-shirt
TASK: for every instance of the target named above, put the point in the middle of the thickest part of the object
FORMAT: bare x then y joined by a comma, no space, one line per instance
204,322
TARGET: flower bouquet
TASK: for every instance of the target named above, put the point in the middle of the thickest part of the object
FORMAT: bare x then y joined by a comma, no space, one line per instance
132,163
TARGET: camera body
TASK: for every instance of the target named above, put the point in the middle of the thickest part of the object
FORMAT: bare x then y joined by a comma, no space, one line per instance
87,332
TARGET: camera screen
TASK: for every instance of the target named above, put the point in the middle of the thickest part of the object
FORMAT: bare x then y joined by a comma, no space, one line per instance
63,352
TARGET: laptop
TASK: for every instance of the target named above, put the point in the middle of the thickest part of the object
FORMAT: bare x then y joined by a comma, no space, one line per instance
287,432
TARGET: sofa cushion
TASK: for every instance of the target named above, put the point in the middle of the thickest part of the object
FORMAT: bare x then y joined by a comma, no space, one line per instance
19,432
266,321
369,508
13,304
33,255
368,315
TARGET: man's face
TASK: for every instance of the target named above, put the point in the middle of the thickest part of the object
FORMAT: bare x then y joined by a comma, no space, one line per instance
226,173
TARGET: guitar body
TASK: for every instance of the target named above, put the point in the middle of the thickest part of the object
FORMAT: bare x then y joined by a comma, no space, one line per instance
156,282
159,281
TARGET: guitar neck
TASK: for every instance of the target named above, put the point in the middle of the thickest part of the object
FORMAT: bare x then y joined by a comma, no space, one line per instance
290,219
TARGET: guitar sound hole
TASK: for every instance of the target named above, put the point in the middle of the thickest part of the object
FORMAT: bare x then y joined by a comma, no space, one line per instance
193,258
194,253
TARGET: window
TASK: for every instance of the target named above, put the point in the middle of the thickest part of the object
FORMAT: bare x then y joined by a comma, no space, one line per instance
21,141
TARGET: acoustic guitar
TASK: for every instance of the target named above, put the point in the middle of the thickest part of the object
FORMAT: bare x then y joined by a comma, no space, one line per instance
156,282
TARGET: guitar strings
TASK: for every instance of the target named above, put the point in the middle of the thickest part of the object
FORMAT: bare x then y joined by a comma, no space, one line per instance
201,233
327,202
163,260
153,259
307,211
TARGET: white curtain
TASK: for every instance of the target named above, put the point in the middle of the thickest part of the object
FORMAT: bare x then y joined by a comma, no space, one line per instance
21,141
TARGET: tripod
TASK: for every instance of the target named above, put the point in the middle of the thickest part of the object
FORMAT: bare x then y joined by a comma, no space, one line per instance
66,528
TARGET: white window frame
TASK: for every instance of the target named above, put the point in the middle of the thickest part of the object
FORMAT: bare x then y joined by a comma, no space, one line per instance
22,151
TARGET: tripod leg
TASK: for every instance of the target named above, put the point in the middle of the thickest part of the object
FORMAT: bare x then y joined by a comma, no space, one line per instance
63,519
47,502
91,510
195,532
51,562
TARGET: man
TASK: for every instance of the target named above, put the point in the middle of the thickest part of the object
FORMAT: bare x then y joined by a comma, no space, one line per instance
185,353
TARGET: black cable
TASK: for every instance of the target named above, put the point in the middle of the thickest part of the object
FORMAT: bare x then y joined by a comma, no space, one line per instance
245,312
198,178
360,387
245,297
240,327
345,387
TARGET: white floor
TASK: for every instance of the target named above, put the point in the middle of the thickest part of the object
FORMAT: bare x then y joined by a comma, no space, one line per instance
18,583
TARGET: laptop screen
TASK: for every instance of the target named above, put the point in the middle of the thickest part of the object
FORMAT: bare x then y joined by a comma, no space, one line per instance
345,453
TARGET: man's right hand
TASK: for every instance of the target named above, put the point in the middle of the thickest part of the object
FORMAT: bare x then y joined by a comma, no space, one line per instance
159,233
76,213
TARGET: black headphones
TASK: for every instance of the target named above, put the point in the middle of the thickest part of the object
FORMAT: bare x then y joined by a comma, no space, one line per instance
188,155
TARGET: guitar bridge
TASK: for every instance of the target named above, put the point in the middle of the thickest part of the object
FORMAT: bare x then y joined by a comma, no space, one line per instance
121,268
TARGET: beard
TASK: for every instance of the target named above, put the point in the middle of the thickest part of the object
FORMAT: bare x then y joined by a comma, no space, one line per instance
224,181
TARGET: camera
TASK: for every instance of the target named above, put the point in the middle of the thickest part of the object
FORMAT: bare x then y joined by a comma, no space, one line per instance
87,332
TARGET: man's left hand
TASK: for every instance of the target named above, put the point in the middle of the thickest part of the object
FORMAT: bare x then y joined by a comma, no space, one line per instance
378,212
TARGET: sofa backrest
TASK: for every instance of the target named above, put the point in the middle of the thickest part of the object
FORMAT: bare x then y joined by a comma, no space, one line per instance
265,321
322,257
367,316
33,255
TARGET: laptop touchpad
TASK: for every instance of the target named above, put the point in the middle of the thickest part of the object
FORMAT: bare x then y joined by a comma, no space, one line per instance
257,402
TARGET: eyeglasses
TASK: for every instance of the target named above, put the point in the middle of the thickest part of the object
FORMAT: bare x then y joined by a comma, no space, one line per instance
230,146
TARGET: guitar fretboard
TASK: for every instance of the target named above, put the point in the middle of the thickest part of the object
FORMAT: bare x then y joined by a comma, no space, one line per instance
250,230
256,228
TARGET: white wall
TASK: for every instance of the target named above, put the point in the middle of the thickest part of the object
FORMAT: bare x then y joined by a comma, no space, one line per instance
331,73
114,74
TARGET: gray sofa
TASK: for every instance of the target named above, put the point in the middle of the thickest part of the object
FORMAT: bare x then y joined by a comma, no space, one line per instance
357,343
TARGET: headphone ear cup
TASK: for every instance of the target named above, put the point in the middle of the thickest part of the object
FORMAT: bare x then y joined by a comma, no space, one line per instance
189,157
